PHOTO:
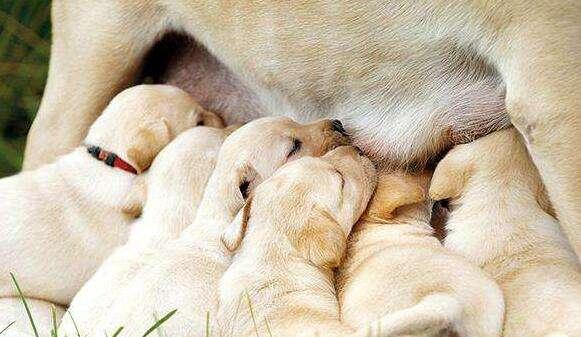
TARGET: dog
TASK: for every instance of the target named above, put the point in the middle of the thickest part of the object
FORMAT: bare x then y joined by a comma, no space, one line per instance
62,220
167,197
408,79
184,275
293,231
500,219
396,268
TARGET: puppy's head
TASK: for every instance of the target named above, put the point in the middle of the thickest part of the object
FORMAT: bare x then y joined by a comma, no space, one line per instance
487,166
312,202
178,175
142,120
256,150
395,190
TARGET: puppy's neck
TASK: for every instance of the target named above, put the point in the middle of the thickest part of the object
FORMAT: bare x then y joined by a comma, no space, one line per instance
98,184
504,215
275,278
217,210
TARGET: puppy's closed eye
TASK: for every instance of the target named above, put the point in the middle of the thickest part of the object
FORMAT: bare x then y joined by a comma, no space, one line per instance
244,187
296,147
342,179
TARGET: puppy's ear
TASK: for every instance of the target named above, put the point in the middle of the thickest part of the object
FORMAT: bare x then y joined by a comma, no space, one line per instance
452,174
247,178
210,119
321,240
151,137
396,189
135,199
233,234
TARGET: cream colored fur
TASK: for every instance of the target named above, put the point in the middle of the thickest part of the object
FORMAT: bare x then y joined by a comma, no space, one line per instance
184,275
293,232
169,194
396,268
407,78
499,221
59,222
13,310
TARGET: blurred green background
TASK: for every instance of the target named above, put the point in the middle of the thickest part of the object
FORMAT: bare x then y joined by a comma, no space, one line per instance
24,55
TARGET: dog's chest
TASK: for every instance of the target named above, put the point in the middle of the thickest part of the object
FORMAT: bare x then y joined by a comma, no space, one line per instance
392,106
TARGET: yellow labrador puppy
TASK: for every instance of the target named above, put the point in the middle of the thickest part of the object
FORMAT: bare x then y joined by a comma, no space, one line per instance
409,78
293,231
499,221
184,275
59,222
170,193
397,268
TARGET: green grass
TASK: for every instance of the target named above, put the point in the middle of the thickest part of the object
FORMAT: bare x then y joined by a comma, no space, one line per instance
23,299
24,55
7,327
157,325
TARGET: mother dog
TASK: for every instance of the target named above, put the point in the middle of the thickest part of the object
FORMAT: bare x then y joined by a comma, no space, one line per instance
408,78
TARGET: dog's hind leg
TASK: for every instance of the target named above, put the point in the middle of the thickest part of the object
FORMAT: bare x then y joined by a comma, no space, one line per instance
434,315
538,55
96,52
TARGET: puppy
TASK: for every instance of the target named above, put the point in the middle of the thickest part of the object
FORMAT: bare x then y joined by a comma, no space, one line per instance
185,274
500,220
60,221
292,232
396,267
409,78
171,192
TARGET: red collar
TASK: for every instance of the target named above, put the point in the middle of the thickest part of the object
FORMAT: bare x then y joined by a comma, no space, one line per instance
110,158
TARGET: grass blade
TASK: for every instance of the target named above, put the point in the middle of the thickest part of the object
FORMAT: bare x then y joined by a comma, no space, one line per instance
207,324
252,313
160,332
6,328
268,327
54,331
160,322
25,305
118,331
74,324
25,34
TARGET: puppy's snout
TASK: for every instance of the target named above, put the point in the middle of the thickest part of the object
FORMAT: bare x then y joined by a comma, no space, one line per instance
338,126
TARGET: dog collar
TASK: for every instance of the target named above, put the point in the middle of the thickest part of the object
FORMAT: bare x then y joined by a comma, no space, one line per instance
110,159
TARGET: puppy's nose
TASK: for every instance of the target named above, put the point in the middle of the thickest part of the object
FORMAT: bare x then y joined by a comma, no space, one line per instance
338,126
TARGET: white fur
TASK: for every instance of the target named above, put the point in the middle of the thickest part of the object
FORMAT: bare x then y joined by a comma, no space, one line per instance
396,268
174,187
184,275
499,221
60,221
292,234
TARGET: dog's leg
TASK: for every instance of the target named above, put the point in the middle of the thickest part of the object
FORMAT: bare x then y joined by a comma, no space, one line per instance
538,55
432,316
96,52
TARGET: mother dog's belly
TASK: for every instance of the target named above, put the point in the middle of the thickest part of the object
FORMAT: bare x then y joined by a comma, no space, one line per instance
401,111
